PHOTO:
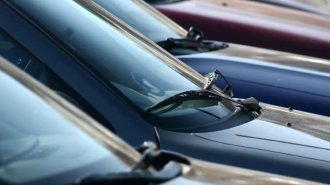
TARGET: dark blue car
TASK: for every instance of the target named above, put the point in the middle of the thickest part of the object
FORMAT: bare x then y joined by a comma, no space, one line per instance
142,93
278,78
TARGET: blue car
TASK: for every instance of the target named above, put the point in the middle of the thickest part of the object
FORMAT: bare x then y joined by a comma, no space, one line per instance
142,93
45,140
278,78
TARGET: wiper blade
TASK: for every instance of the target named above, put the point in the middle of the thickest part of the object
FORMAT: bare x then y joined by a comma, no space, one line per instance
193,40
167,166
170,171
251,105
186,96
202,46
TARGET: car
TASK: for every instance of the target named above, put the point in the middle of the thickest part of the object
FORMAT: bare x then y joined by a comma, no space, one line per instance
253,23
273,77
142,93
319,7
46,140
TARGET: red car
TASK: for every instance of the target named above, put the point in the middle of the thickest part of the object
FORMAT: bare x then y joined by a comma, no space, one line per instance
320,7
253,23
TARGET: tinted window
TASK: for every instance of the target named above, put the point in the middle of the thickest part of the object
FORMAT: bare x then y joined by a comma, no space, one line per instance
140,18
19,56
22,58
142,76
38,143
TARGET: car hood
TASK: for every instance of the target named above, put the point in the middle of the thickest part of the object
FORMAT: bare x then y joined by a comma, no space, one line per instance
253,23
256,14
316,7
202,173
277,69
281,131
275,57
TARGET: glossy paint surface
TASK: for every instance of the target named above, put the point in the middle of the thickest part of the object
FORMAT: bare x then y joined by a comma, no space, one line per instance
133,126
255,24
273,77
320,7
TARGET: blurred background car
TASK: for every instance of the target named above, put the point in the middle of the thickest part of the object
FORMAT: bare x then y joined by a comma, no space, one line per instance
319,7
142,93
45,140
278,78
253,23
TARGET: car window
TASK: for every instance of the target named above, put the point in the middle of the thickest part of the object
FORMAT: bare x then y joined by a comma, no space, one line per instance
38,143
146,22
19,56
114,56
15,53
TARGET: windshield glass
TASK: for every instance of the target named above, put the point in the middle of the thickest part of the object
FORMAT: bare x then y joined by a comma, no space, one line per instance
138,15
39,145
137,70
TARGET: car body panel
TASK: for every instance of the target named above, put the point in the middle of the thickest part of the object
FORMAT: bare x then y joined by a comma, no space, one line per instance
278,78
261,145
255,24
131,124
320,7
208,173
302,121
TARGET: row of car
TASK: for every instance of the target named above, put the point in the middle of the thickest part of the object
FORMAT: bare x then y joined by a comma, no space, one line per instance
46,140
256,24
87,52
270,76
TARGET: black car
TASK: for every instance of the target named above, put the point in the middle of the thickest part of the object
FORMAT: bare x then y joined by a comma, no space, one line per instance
141,92
45,140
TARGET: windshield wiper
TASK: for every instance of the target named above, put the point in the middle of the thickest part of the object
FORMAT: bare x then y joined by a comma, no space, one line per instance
185,96
251,105
193,40
170,171
204,94
167,166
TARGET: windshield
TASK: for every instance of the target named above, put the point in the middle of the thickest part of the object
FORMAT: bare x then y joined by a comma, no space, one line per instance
40,145
141,73
144,19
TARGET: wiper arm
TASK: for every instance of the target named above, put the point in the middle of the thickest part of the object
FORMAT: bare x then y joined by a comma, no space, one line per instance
210,79
157,158
195,34
193,40
167,165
